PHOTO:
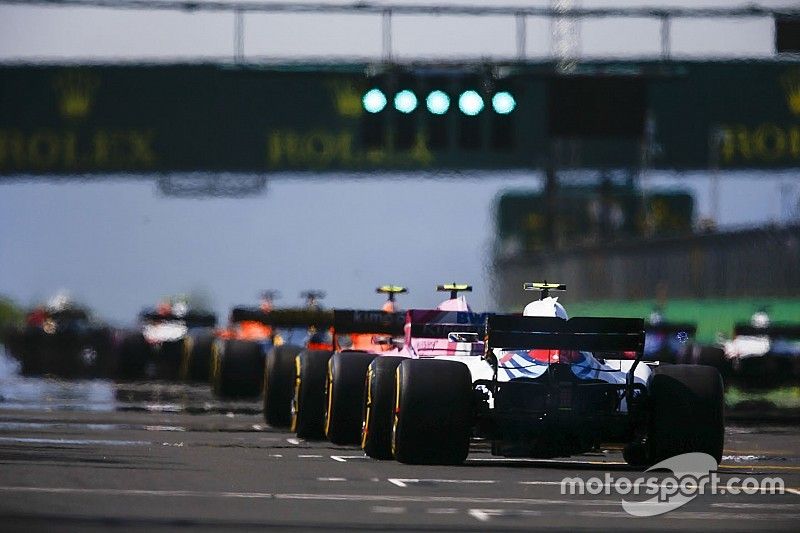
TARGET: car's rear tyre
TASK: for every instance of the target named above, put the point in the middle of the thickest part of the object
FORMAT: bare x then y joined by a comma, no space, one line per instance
198,352
279,384
709,355
238,369
378,404
168,358
32,361
433,412
308,397
133,357
345,396
687,412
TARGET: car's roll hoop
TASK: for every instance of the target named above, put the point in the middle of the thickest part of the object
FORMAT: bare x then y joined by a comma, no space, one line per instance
312,298
270,295
454,288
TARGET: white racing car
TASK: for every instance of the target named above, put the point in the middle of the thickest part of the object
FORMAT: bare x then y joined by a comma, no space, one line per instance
169,338
762,354
548,386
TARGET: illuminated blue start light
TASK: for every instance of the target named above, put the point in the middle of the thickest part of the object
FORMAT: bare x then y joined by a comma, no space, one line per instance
438,102
470,103
503,103
405,101
374,101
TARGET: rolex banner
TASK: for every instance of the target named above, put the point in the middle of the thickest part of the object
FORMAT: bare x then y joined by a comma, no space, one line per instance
73,120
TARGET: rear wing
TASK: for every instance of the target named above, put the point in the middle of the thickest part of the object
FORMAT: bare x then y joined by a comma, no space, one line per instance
671,327
433,324
782,331
196,319
356,321
68,314
513,332
283,318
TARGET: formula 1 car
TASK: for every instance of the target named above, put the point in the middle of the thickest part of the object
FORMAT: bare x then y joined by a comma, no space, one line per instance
449,330
239,365
360,336
64,340
168,337
763,355
327,384
548,386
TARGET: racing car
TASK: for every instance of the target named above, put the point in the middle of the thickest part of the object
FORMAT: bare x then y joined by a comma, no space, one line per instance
239,365
550,386
329,388
762,354
168,337
449,330
63,339
301,389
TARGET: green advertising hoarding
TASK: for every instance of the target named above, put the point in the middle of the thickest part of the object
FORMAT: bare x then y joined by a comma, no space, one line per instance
78,119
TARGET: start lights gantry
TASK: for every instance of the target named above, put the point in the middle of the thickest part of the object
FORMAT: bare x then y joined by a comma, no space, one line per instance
437,102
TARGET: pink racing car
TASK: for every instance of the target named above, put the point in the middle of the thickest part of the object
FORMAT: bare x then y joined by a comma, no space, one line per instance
452,329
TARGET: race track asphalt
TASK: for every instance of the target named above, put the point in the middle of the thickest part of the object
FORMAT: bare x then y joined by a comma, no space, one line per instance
95,456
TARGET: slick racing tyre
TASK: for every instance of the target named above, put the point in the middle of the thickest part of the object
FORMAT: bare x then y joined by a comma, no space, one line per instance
433,412
687,412
379,394
31,354
238,369
699,354
133,357
168,357
197,357
279,385
308,398
345,396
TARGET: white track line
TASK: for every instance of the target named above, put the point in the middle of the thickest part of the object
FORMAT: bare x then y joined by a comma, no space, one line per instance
480,515
82,442
344,458
300,496
697,515
442,510
403,482
385,509
484,515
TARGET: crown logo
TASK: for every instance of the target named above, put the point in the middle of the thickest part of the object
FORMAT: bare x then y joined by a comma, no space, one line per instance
347,99
791,85
75,91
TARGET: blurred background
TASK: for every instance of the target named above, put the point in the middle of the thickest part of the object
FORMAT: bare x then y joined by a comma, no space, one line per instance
644,153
